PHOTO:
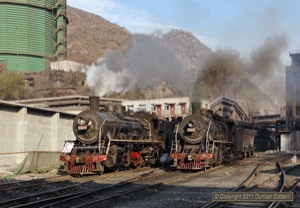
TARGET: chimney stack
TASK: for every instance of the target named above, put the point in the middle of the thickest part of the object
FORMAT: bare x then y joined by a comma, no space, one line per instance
196,108
94,103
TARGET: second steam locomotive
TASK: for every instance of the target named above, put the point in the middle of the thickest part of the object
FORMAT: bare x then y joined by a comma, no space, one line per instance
204,140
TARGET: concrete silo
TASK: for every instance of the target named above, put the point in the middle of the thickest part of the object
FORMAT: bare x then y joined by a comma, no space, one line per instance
291,141
32,34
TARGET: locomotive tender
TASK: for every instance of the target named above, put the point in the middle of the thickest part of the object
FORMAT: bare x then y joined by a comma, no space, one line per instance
111,139
204,140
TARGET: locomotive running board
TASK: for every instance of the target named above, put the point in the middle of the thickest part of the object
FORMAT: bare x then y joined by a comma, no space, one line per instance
135,141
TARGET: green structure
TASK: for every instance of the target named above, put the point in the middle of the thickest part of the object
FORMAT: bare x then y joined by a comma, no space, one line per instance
32,34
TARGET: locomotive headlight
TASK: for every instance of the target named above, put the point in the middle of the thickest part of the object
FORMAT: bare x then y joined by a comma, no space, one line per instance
81,121
191,124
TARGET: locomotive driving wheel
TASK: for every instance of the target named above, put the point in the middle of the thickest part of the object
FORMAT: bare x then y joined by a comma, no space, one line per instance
116,169
126,159
218,156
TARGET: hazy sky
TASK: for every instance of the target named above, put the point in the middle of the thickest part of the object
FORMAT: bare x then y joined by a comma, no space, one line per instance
242,25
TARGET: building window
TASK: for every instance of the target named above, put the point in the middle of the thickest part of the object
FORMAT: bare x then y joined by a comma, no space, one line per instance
142,107
153,108
166,107
129,108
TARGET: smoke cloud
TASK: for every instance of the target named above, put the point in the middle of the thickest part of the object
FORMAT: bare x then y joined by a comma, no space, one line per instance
102,80
219,73
226,73
145,64
265,63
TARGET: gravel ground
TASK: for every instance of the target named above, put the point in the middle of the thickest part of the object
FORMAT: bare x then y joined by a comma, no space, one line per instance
6,176
195,192
192,193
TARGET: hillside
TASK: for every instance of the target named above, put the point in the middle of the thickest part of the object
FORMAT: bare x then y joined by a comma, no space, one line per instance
89,36
188,49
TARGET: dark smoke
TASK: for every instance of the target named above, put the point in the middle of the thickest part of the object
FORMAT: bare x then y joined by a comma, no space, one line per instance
218,74
225,73
265,61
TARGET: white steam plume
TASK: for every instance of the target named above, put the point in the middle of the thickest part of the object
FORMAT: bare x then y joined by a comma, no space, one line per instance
101,80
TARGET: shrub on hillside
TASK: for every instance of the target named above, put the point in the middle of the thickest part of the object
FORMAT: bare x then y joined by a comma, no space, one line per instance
11,86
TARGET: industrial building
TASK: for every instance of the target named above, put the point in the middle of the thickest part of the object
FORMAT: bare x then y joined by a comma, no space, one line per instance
32,34
181,107
164,107
291,140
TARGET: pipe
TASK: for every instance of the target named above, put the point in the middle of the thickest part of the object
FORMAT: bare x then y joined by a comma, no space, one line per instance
207,135
176,139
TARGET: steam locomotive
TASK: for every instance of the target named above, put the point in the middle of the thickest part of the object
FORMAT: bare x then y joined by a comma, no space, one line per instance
204,140
111,139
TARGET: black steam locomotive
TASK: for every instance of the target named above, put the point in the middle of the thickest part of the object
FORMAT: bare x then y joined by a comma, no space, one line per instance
205,140
111,139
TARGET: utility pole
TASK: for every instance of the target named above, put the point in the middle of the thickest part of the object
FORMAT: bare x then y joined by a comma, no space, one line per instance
17,28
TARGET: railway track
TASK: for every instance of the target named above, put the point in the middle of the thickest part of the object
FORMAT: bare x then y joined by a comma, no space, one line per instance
117,192
115,188
274,183
43,183
294,187
88,191
19,194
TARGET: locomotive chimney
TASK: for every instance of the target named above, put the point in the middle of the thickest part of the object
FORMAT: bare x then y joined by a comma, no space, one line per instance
196,108
94,103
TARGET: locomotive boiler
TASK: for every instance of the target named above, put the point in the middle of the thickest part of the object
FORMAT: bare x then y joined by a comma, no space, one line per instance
113,139
204,140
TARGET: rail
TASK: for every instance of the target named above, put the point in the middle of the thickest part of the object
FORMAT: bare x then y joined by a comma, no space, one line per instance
244,184
292,189
283,176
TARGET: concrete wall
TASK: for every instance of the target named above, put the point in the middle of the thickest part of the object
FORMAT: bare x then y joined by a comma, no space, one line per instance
26,129
290,141
285,142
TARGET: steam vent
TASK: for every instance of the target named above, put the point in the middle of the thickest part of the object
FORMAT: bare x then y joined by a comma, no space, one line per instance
32,34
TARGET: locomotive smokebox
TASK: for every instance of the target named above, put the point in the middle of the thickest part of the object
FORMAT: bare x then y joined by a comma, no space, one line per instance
196,108
94,103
